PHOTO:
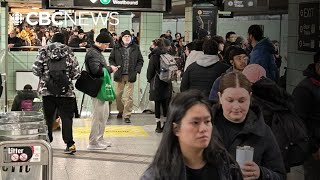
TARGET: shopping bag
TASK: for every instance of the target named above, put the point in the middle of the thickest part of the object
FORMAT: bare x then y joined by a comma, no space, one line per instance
106,92
88,84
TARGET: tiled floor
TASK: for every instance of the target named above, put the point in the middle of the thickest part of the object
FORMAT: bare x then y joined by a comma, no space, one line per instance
125,160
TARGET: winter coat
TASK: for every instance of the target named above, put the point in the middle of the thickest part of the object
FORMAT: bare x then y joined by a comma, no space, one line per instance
55,51
307,103
193,57
95,62
159,90
263,54
22,95
75,41
255,133
227,170
202,74
15,40
135,61
215,87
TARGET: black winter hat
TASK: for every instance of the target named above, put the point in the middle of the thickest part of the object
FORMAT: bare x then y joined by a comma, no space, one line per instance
80,31
58,37
104,38
126,32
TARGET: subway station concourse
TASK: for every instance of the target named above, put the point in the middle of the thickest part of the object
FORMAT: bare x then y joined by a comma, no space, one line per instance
293,24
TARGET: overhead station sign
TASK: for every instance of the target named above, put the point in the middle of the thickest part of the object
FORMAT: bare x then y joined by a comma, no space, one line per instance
246,5
114,3
111,5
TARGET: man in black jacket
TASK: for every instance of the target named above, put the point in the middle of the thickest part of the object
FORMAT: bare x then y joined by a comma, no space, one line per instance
128,56
95,62
13,40
307,105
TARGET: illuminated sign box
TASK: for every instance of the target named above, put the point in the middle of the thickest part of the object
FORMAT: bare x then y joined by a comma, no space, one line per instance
246,5
111,5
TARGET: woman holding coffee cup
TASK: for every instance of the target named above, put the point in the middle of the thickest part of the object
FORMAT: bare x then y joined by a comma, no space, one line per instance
188,150
241,129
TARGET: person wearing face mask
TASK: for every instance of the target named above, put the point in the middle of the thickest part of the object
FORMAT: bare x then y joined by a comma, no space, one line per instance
128,57
95,62
188,150
240,124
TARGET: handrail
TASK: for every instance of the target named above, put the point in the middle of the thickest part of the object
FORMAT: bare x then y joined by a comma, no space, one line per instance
39,47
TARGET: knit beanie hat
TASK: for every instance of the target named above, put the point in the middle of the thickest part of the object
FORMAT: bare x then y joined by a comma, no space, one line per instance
126,32
104,38
254,72
58,37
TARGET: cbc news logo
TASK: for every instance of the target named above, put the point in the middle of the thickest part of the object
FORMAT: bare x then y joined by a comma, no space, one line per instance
17,18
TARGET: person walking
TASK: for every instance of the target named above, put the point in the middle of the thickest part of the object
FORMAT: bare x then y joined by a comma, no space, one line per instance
127,56
56,66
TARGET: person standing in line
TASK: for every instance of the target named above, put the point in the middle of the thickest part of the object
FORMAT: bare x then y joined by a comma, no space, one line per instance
56,66
263,51
188,149
128,57
307,105
95,62
160,91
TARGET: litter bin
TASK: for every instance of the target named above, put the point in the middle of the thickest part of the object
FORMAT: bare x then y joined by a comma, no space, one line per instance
17,126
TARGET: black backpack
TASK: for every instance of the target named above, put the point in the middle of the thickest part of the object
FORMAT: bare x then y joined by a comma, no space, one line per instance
58,82
292,136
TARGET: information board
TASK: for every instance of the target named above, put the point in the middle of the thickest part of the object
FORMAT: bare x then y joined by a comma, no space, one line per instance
309,27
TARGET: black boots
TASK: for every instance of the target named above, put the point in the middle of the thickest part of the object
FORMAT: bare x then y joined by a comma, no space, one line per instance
158,128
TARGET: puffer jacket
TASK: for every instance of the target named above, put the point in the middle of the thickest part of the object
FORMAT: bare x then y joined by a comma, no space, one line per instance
307,103
22,95
263,54
159,90
55,51
256,134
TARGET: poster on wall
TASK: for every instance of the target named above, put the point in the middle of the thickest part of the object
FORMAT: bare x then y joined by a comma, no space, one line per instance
204,20
309,27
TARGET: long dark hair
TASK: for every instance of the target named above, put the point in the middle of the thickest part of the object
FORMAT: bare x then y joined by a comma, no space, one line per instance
168,162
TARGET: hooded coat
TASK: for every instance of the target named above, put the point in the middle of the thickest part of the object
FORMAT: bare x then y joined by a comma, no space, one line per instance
22,95
263,54
202,74
307,103
255,133
159,90
55,51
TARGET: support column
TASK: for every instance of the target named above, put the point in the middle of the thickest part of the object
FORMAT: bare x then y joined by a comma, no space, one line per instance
188,21
3,52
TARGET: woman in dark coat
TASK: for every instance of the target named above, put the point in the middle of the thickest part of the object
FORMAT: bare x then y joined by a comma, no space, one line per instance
238,124
160,91
188,149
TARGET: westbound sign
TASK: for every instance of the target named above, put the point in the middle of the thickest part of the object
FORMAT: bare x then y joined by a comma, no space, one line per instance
110,5
114,3
246,5
309,27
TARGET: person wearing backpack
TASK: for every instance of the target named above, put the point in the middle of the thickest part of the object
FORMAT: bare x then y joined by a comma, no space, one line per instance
160,91
95,62
23,101
278,112
56,66
307,104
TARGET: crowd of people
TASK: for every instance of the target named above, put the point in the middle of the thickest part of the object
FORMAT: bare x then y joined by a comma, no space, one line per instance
230,97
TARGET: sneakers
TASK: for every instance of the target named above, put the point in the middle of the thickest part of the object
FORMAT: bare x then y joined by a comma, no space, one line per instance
96,147
158,128
127,120
119,116
104,143
70,150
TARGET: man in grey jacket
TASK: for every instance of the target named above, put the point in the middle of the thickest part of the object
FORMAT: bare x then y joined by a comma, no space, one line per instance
95,62
128,56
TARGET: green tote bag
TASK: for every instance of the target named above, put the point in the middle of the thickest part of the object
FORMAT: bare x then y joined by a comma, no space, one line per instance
106,92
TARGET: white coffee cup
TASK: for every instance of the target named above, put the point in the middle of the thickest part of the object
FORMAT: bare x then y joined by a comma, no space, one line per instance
244,154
